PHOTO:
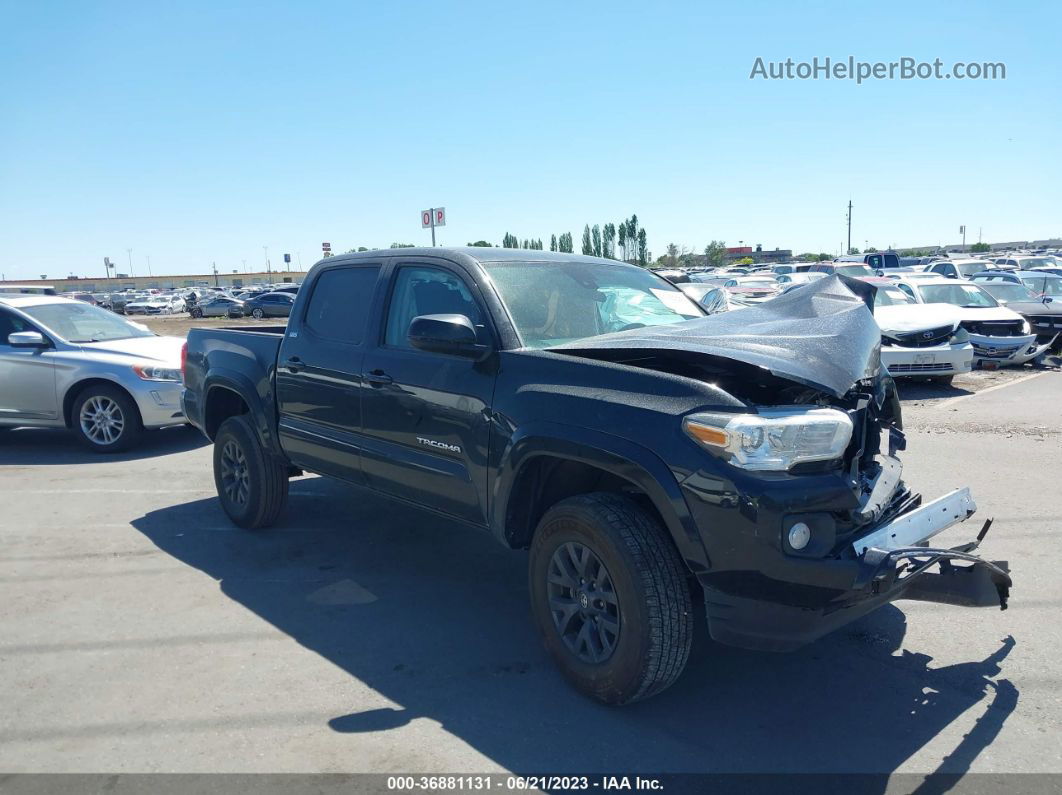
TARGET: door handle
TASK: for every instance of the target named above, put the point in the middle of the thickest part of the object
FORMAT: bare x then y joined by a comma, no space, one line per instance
378,378
293,364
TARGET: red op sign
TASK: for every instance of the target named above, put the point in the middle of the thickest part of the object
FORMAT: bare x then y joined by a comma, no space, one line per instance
436,216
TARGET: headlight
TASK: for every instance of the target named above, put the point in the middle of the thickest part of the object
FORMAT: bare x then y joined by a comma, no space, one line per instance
1025,327
150,372
960,336
775,439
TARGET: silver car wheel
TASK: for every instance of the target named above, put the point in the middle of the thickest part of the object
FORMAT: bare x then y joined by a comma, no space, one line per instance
102,420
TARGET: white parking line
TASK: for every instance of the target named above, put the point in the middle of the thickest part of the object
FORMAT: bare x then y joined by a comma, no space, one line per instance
115,491
954,400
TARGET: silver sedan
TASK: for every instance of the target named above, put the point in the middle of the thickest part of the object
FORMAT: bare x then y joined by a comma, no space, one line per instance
68,364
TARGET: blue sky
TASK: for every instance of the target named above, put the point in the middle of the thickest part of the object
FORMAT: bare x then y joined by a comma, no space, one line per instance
201,132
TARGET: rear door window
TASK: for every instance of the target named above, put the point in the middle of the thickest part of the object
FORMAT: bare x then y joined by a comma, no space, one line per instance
341,303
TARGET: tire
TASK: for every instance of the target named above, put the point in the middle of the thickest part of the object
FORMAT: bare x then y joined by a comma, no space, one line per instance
196,313
105,419
252,484
257,313
650,604
943,380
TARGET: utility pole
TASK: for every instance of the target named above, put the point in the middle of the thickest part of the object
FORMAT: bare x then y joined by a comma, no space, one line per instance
149,264
216,284
963,230
847,250
266,250
129,251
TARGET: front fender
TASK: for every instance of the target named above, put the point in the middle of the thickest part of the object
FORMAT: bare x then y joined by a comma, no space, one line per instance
260,406
621,457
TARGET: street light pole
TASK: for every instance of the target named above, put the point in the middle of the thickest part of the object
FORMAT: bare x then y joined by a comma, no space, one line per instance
849,227
149,263
266,250
129,251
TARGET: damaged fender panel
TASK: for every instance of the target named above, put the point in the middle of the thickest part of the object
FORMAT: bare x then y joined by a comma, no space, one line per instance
822,335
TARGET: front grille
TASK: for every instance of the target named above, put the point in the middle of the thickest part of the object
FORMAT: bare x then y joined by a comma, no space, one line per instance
1046,321
994,328
920,368
920,339
996,352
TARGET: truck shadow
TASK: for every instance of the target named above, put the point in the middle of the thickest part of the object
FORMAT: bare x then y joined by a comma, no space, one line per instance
36,446
435,617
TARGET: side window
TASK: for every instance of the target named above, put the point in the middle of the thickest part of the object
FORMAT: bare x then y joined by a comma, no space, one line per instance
12,324
341,303
426,291
874,261
907,290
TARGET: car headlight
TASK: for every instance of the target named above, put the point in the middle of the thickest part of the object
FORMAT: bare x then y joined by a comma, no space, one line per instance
960,336
1025,327
150,372
775,439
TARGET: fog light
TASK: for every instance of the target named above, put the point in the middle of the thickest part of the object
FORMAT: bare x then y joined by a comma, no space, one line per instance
799,535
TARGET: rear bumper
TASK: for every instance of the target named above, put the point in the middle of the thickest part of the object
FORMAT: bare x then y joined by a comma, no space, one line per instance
935,360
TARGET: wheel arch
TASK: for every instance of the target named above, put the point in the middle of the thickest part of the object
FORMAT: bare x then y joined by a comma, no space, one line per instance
226,394
75,390
546,465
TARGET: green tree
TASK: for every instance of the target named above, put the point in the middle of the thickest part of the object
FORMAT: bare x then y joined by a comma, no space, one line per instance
809,257
481,243
672,255
588,245
565,243
872,250
853,250
510,241
402,245
623,239
825,257
608,241
745,261
643,248
595,233
979,248
553,243
715,254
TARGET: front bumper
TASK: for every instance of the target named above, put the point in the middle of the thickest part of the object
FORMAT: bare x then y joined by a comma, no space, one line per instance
761,595
934,360
1006,350
159,402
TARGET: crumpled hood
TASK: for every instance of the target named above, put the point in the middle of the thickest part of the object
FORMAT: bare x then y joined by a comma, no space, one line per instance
903,318
166,350
822,335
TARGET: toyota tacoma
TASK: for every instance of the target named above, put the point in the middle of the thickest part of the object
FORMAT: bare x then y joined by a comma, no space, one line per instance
586,410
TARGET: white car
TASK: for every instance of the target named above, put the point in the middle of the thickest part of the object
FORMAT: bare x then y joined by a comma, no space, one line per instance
999,335
924,340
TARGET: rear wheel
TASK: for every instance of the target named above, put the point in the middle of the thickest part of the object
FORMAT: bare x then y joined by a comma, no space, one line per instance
105,419
610,598
252,484
196,312
257,313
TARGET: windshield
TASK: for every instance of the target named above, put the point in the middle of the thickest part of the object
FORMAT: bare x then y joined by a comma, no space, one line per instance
968,296
891,296
752,281
853,270
970,268
1029,263
1044,285
79,322
1010,292
552,303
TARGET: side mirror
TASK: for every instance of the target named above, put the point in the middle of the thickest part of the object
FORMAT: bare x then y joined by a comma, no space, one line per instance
27,339
1048,299
450,334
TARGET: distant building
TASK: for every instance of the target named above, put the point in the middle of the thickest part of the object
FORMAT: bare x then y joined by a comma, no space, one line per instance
758,254
88,284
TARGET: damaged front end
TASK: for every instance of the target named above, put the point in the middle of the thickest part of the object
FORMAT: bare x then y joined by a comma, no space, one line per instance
805,528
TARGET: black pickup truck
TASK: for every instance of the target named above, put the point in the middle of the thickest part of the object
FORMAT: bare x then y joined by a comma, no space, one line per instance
585,409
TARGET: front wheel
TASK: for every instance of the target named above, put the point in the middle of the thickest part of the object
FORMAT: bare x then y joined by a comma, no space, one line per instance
252,484
196,313
257,314
610,598
105,419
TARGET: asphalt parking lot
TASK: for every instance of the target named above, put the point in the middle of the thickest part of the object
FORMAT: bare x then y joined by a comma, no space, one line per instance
141,632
